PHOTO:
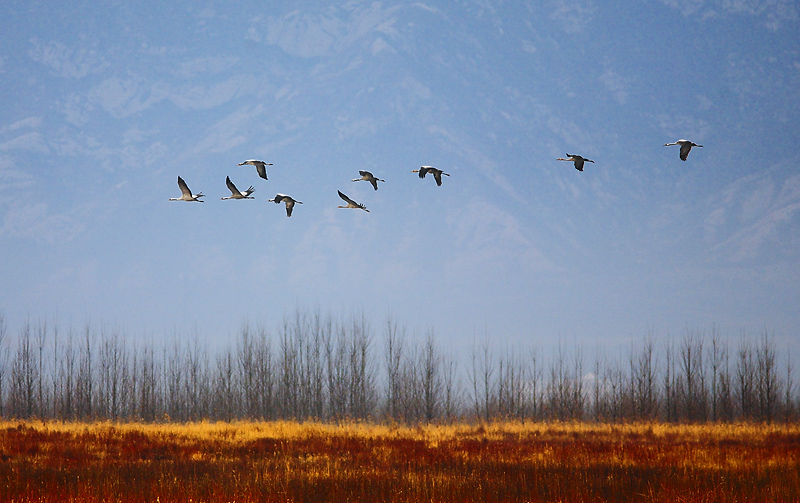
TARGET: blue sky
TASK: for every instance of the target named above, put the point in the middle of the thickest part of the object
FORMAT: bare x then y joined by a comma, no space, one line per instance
103,106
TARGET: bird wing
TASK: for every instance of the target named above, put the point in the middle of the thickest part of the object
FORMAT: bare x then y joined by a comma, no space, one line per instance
289,206
423,170
365,173
374,182
261,167
184,188
345,198
685,148
578,163
437,175
231,186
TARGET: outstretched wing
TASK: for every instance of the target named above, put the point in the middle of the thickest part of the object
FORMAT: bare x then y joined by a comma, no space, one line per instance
346,199
231,186
685,148
261,167
184,188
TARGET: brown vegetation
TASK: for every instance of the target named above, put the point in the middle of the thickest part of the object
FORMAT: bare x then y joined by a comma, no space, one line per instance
502,461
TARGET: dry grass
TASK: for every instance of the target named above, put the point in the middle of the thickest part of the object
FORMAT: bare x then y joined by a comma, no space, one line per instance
504,461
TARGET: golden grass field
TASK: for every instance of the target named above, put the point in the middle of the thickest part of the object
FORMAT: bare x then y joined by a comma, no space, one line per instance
502,461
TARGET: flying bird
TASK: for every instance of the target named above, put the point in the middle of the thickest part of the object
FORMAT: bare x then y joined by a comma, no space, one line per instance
366,175
686,146
235,193
186,194
351,203
261,166
286,199
578,160
437,173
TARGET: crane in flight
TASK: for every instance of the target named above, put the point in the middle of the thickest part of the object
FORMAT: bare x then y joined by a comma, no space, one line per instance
261,166
351,203
366,175
287,200
235,193
686,146
437,173
578,160
186,194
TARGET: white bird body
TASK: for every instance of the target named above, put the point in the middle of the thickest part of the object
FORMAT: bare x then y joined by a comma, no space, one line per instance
186,194
261,166
366,175
437,173
287,200
351,203
236,193
686,146
578,160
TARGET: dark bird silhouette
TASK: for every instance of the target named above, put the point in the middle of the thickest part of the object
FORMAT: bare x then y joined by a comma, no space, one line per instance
261,166
366,175
437,173
686,146
286,199
578,160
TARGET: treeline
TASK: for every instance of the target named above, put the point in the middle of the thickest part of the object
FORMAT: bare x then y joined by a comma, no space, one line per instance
314,366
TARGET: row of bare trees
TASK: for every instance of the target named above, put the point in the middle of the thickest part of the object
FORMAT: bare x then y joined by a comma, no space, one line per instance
314,366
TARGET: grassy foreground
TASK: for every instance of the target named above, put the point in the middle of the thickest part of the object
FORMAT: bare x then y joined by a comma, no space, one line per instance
504,461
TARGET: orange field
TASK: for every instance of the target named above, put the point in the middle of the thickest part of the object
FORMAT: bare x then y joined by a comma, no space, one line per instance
504,461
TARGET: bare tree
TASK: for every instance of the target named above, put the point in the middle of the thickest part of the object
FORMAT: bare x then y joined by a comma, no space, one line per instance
174,375
314,364
767,387
112,362
225,403
724,392
559,387
394,339
265,377
247,369
337,372
4,353
670,383
451,391
481,379
643,380
535,392
23,376
512,386
691,384
717,356
745,380
148,384
788,389
431,380
85,381
41,398
362,379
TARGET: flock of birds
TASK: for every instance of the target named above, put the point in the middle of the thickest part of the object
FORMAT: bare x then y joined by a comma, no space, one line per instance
261,168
